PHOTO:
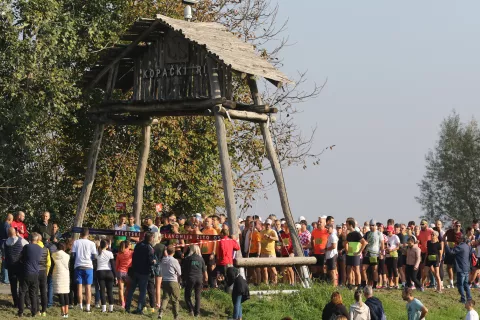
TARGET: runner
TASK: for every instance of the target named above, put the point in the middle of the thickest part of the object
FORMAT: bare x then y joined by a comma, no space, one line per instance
319,243
354,246
374,245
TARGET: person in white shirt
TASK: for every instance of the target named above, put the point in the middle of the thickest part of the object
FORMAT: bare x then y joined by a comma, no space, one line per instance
83,251
331,254
105,275
391,260
471,314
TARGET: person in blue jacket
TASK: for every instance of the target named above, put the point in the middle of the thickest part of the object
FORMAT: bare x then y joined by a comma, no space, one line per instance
461,253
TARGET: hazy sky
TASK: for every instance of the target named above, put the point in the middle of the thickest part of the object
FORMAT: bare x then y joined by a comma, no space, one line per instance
395,69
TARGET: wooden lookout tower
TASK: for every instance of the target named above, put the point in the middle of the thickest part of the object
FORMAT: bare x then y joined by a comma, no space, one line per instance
180,68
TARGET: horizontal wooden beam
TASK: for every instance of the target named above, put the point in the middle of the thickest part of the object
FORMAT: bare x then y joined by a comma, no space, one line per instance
267,262
244,115
156,106
229,104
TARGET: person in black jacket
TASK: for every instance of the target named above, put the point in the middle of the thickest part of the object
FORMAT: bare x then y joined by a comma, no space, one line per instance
375,305
12,248
142,261
194,274
45,228
240,292
335,307
31,255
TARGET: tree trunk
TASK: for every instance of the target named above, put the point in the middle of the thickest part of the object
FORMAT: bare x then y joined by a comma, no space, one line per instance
89,176
278,174
141,169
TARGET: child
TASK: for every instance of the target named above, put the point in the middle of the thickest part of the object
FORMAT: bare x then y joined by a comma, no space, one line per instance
471,314
240,291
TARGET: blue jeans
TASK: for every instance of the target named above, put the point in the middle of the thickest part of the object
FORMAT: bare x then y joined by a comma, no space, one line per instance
462,284
50,290
4,272
142,281
237,307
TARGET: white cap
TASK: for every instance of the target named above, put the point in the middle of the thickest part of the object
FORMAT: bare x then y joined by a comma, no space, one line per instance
240,220
268,221
283,222
302,218
260,218
323,217
198,214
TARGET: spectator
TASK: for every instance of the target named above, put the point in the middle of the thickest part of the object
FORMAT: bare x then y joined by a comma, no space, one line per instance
415,309
148,224
461,253
131,226
331,254
142,261
3,237
268,238
354,246
471,313
31,255
240,291
171,290
305,237
374,304
83,251
61,277
44,227
124,262
19,225
432,260
13,247
225,249
57,235
44,268
194,273
359,310
105,275
160,251
287,251
209,249
245,236
413,263
120,226
335,307
52,247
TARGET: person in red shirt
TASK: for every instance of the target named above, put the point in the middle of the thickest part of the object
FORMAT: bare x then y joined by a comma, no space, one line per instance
319,244
19,225
225,249
287,251
424,236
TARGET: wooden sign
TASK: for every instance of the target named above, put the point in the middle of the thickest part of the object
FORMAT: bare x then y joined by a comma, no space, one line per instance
120,206
172,69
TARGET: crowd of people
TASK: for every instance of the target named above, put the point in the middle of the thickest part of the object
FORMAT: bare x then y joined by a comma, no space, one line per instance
365,257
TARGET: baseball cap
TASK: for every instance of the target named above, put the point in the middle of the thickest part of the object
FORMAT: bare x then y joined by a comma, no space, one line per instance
339,226
268,221
302,218
283,222
390,228
424,221
240,220
373,222
323,217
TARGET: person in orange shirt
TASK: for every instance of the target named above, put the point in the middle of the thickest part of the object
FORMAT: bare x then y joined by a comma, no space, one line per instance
254,252
319,244
208,249
423,237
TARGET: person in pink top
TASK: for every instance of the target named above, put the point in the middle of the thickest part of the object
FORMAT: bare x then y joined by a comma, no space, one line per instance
124,261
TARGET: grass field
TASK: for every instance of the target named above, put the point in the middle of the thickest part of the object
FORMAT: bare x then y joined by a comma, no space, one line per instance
307,304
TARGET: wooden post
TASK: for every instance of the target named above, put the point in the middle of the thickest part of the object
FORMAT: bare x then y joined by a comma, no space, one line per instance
278,174
89,177
141,169
225,164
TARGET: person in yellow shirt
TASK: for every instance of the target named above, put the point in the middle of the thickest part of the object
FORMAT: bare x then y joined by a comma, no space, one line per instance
268,238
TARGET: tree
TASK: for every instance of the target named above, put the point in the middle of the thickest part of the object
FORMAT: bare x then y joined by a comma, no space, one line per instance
45,48
451,184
